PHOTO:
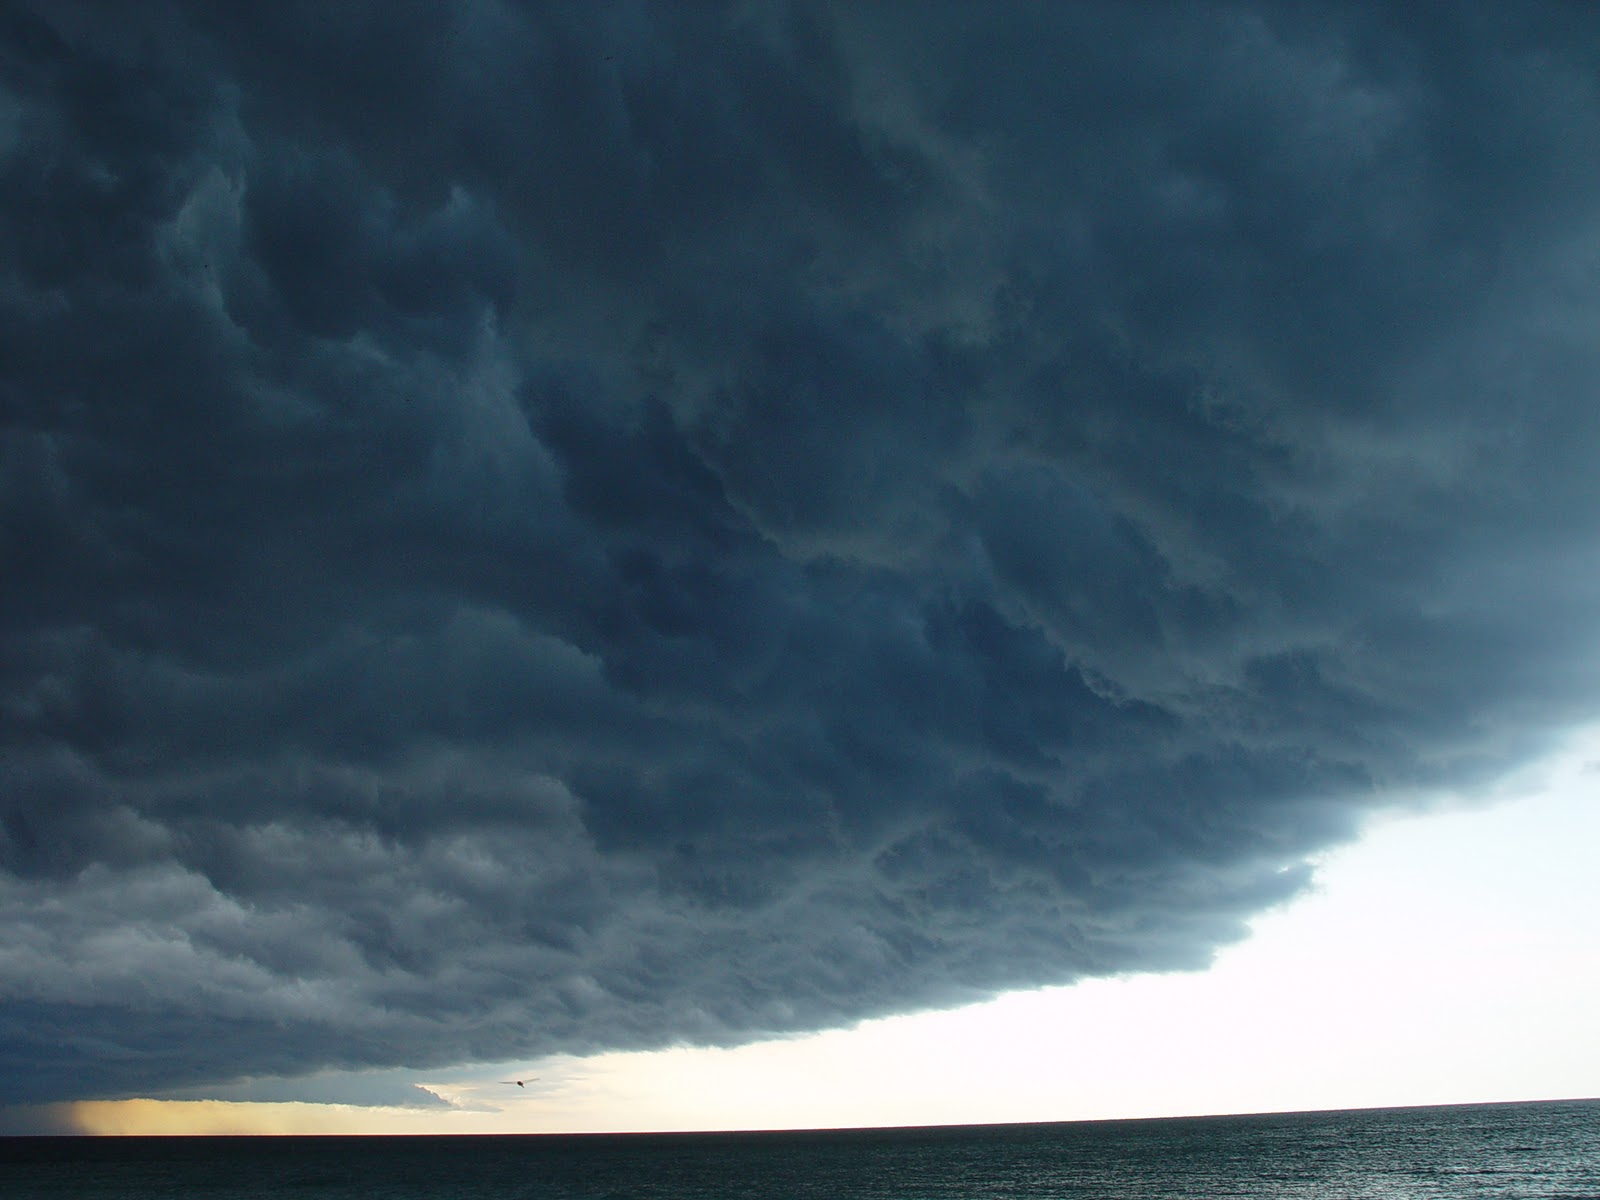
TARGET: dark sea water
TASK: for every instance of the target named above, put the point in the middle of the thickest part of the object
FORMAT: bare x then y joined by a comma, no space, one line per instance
1547,1150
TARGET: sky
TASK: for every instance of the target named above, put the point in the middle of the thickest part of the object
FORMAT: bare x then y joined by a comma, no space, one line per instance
656,542
1449,958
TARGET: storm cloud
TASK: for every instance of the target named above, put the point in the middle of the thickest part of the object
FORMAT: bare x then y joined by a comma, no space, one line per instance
533,529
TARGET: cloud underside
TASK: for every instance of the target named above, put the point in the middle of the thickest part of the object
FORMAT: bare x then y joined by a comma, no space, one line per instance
535,531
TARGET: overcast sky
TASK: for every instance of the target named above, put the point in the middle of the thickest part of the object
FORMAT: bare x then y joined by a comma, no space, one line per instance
543,529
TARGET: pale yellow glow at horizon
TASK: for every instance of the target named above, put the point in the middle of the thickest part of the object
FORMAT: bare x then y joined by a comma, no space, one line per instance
1447,958
147,1118
166,1118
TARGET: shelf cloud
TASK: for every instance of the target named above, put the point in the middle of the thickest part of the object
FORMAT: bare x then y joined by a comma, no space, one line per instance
536,529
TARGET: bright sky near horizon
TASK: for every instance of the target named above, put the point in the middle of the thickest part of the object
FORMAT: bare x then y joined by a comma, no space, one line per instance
1451,957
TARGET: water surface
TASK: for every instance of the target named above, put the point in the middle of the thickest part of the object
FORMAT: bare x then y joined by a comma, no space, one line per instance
1544,1151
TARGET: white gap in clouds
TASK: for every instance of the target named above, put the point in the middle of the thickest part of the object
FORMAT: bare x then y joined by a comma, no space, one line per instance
1444,958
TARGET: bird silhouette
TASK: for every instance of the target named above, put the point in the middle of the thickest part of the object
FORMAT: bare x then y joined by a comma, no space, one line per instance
518,1082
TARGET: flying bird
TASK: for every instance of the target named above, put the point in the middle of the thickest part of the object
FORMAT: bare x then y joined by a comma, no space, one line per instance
519,1082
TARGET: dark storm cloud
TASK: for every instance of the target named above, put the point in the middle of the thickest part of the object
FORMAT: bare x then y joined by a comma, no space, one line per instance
540,529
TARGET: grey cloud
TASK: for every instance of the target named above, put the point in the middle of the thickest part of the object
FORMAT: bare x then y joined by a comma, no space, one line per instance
531,531
366,1089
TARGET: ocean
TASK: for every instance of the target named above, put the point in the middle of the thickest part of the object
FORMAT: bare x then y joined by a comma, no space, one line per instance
1540,1151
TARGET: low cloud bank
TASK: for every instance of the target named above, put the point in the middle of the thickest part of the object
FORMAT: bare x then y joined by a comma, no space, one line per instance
535,532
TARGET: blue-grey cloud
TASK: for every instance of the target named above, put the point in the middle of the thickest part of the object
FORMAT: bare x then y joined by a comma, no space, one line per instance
366,1089
538,529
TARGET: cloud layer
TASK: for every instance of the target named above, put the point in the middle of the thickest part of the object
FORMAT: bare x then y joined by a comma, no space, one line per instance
534,529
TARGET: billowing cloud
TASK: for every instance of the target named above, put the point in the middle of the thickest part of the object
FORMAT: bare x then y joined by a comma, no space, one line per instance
535,529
